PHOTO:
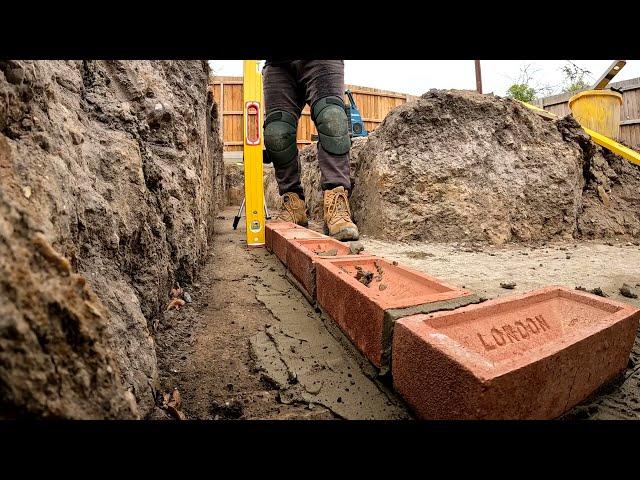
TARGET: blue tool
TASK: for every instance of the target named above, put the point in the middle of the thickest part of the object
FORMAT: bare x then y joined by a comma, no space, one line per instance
356,125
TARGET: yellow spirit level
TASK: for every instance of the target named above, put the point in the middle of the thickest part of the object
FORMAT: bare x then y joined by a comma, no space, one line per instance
253,187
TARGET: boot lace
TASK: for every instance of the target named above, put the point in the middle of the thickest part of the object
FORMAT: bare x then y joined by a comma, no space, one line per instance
288,201
339,207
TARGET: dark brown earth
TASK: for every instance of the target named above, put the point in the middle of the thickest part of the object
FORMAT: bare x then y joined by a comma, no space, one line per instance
111,172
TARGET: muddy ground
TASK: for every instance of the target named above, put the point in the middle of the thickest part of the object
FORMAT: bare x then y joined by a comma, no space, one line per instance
251,347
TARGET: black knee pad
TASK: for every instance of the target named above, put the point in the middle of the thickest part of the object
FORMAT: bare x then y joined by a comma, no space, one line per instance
280,129
332,124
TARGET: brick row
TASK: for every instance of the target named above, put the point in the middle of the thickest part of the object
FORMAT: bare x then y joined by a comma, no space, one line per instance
450,354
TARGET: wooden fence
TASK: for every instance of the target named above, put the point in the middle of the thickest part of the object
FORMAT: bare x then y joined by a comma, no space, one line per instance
629,113
374,104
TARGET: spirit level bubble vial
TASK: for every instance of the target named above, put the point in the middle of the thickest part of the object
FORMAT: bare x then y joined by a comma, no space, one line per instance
253,145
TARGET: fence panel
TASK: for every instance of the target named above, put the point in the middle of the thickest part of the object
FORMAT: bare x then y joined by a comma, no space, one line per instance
374,104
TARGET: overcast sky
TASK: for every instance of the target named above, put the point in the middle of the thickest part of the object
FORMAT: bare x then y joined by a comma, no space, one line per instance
417,76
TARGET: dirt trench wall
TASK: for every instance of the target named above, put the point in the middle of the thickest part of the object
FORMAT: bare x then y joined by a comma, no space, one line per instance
111,173
459,166
234,185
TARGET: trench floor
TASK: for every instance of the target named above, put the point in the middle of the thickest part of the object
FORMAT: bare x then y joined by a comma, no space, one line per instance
250,346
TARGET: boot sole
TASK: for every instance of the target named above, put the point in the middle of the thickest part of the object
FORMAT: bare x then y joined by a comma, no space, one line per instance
345,235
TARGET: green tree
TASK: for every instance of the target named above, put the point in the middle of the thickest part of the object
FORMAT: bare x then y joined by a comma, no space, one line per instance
522,92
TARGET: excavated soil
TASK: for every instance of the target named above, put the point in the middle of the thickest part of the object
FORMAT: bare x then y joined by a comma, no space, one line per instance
459,166
111,173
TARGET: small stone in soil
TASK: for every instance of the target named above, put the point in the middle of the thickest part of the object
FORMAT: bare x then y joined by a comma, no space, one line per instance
508,285
625,291
598,291
355,248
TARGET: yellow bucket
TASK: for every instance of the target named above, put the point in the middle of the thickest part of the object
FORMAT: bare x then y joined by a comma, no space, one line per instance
598,110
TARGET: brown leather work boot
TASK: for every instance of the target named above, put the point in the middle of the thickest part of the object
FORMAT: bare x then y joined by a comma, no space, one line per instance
293,209
337,215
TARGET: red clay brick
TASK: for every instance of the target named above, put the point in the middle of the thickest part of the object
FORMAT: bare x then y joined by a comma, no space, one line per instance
270,227
280,239
303,254
531,356
366,313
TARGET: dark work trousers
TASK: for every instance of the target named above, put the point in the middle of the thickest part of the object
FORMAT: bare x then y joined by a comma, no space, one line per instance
288,86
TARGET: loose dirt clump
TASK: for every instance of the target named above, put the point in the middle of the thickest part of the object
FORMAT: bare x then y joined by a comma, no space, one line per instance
363,276
625,291
329,253
596,291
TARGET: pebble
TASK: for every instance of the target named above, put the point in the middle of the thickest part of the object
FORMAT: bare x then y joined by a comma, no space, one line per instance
625,291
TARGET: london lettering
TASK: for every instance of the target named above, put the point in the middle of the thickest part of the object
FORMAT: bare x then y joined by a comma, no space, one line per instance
516,332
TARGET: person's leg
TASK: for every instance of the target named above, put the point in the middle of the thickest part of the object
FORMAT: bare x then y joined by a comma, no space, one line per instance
283,105
324,81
